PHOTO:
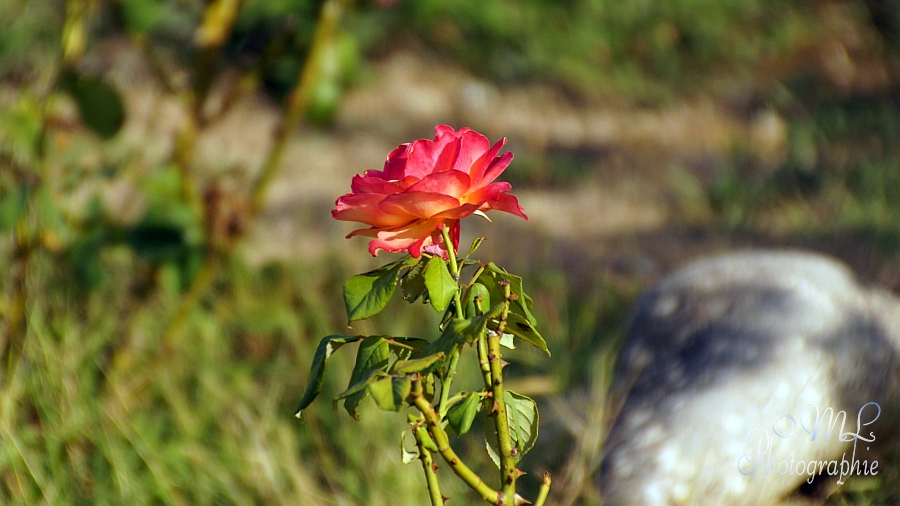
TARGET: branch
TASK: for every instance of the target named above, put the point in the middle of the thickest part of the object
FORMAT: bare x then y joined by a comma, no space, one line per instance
507,458
428,465
298,103
544,491
443,444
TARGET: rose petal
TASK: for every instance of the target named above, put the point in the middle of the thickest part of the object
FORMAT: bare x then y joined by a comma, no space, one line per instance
451,182
365,208
447,157
403,238
460,212
509,204
472,146
422,205
373,184
423,156
454,233
368,232
395,166
476,173
488,193
442,130
497,166
435,242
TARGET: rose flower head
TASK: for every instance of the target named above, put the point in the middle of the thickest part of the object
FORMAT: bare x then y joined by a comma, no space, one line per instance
425,186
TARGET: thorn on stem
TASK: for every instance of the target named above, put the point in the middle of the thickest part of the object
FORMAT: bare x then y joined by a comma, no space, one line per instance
519,500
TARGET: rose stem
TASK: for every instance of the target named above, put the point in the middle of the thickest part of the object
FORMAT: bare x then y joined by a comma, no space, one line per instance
544,491
443,443
483,351
454,355
507,460
428,465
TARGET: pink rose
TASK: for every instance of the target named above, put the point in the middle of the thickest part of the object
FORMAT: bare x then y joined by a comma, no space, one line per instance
426,186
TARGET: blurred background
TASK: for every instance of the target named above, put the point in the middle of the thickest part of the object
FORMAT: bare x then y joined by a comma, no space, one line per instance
169,263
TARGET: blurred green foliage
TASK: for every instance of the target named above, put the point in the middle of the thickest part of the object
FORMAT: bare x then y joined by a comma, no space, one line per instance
633,49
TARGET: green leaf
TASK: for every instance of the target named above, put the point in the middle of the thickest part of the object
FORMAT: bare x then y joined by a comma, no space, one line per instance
467,330
461,415
365,295
491,277
423,365
12,207
524,413
459,331
449,314
429,387
443,345
83,258
360,388
425,438
406,347
98,103
518,326
413,283
326,347
157,242
143,16
508,341
372,357
440,284
477,290
389,393
523,419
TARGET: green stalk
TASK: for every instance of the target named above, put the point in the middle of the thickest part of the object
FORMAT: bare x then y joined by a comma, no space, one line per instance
428,465
451,252
445,385
454,355
544,491
299,100
443,444
326,28
507,459
483,361
213,32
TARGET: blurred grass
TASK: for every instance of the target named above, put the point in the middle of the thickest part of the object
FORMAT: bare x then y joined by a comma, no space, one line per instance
209,421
